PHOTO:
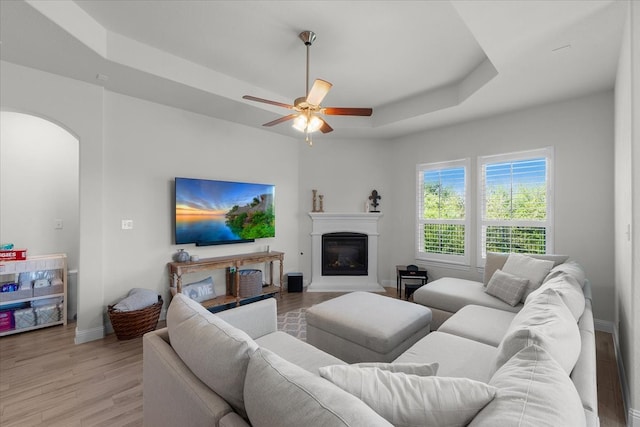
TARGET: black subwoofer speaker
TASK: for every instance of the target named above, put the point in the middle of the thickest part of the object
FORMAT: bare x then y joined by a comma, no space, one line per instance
294,282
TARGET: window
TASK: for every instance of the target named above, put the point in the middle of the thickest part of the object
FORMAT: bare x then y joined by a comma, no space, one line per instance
442,200
516,203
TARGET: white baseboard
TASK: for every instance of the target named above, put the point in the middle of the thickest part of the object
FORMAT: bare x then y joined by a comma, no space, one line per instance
89,335
603,326
633,418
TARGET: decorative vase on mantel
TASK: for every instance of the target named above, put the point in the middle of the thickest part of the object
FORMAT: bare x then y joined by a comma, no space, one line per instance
181,256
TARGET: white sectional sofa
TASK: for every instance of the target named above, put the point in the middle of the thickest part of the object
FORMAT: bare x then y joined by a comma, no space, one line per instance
493,367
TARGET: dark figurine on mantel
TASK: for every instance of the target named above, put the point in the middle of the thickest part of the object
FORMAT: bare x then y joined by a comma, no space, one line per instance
374,197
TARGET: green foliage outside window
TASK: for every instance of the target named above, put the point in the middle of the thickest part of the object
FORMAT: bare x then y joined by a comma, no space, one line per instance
527,203
530,240
442,202
444,239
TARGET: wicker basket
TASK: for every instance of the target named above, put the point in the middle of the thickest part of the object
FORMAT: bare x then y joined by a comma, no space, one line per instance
250,283
134,324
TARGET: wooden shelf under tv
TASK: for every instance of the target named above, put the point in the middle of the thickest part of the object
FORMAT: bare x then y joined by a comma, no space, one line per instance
229,263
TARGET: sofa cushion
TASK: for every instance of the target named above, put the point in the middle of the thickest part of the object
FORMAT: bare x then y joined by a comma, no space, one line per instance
546,322
411,400
278,393
535,270
452,353
451,294
215,351
571,268
533,391
297,352
482,324
507,287
569,290
495,261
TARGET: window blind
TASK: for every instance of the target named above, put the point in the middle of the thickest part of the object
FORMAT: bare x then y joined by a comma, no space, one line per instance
442,200
516,203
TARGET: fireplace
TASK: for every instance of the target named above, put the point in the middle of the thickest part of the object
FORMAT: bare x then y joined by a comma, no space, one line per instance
344,254
351,233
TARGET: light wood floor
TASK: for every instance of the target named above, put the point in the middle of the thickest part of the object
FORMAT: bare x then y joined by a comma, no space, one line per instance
47,380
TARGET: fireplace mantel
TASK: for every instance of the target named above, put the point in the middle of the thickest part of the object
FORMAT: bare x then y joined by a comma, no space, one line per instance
329,222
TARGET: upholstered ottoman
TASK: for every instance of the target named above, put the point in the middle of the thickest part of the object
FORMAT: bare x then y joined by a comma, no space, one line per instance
366,327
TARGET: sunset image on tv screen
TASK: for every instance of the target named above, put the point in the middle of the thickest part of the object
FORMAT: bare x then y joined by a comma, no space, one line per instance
212,212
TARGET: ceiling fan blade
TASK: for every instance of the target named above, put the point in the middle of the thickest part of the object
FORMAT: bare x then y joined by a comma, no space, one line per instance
341,111
318,91
267,101
280,120
325,128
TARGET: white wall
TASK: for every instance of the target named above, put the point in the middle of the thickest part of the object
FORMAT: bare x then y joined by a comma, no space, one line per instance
147,146
581,132
627,199
38,185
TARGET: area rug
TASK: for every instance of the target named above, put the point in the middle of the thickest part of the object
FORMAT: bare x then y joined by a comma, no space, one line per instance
294,323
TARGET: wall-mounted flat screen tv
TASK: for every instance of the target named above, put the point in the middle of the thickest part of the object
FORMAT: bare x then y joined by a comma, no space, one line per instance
209,212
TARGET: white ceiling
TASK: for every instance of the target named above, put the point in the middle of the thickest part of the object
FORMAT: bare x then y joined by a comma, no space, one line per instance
419,64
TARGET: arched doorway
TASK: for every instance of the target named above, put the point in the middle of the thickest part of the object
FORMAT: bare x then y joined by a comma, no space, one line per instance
39,190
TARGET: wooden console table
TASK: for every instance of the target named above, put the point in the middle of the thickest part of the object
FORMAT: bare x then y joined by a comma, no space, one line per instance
231,264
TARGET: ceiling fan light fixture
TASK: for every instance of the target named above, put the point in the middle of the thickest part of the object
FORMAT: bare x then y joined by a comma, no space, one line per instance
309,124
314,124
300,123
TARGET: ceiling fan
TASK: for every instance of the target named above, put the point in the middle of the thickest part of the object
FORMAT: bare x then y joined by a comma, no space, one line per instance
307,117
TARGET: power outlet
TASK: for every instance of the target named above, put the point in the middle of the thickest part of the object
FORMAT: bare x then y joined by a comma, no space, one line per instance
127,224
58,224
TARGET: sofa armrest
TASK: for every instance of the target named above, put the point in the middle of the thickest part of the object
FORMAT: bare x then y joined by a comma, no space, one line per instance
172,394
584,372
256,319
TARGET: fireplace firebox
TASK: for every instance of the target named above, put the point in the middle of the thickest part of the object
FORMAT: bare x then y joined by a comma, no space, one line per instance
344,254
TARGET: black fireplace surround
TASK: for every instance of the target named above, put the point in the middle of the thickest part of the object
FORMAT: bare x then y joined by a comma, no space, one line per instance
344,254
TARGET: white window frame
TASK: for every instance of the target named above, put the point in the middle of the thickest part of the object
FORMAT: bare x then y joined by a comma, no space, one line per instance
548,154
420,254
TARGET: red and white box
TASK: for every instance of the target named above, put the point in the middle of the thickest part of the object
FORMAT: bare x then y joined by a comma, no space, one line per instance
6,321
13,254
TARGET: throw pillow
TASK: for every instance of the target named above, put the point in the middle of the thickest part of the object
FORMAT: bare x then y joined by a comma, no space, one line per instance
216,352
419,369
547,322
496,260
200,291
535,270
533,390
278,393
569,290
507,287
410,400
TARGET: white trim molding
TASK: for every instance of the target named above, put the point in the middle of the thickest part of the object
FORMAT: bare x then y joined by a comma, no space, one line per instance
89,335
365,223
